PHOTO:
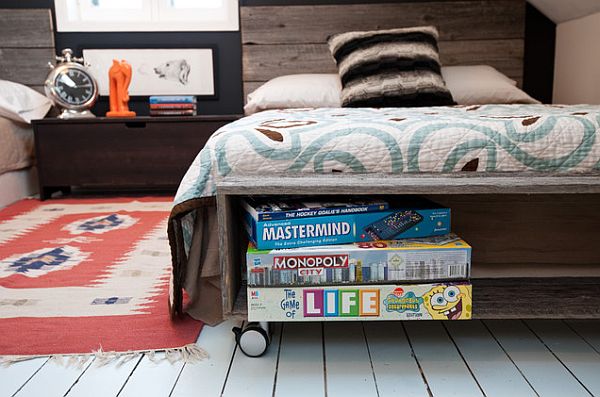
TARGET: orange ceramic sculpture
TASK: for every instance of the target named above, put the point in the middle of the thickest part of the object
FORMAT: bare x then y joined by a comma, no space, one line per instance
119,77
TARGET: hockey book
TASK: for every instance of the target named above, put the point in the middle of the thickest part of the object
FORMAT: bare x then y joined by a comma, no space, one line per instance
269,208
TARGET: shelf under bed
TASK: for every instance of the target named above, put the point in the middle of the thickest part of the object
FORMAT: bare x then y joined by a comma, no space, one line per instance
510,298
535,237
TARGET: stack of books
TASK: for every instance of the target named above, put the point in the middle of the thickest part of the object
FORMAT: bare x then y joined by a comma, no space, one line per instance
314,259
177,105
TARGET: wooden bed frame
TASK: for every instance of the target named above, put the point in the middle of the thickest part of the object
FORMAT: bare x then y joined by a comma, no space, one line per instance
536,237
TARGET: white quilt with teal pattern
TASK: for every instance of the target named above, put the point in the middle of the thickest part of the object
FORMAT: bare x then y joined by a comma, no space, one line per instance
503,138
495,138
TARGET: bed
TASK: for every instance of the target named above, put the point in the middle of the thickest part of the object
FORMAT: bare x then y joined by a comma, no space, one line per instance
25,54
17,177
532,170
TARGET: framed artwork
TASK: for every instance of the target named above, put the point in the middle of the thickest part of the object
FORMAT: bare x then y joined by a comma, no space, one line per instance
173,71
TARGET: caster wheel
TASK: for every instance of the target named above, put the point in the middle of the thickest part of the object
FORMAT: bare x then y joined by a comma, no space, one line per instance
253,339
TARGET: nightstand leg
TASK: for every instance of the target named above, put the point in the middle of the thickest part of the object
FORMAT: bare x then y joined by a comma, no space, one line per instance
45,192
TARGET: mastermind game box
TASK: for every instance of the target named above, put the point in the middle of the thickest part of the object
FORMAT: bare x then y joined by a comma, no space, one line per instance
434,301
412,260
272,226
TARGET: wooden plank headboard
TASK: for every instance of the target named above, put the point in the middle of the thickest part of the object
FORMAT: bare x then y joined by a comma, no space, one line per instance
26,46
279,40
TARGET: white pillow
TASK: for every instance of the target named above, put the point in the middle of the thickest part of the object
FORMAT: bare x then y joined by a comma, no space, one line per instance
469,85
296,91
21,103
482,84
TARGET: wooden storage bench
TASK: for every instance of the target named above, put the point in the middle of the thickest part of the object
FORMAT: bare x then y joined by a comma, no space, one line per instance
535,237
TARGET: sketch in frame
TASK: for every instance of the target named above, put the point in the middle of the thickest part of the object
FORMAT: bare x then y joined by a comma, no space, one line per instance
157,71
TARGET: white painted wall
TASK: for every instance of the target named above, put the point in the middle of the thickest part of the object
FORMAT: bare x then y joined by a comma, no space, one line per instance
577,61
564,10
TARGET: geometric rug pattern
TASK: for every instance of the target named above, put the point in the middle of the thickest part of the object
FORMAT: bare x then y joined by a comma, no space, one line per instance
81,275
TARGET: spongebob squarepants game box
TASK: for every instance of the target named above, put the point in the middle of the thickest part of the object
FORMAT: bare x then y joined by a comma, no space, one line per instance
439,301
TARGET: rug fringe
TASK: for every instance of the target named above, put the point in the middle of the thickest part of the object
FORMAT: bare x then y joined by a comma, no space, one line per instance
191,353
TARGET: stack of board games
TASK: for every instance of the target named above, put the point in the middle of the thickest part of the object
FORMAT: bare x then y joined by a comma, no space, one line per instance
177,105
369,259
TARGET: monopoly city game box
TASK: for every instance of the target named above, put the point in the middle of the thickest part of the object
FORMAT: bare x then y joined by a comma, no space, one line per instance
434,258
445,301
271,226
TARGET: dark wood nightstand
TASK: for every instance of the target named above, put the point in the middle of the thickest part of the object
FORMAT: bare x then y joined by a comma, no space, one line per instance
109,153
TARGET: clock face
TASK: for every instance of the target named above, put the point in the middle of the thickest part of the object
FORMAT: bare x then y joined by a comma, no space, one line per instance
74,87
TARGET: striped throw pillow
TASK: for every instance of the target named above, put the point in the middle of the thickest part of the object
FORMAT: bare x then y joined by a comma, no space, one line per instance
390,68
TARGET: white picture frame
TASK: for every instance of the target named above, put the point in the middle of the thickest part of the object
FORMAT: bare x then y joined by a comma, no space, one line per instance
180,71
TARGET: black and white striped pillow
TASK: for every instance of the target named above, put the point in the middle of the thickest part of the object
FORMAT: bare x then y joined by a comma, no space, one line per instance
390,68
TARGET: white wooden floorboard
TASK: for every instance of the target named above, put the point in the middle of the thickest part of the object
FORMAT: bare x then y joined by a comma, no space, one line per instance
103,380
349,370
300,369
254,376
493,369
15,375
545,373
588,330
396,370
347,365
579,357
152,378
445,371
207,377
53,380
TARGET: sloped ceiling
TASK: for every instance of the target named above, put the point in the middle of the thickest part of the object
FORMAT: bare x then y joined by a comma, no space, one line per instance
565,10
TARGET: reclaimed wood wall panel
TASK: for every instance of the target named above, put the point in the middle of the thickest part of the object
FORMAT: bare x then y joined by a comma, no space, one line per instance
250,86
38,88
455,20
25,66
26,28
280,40
26,45
264,62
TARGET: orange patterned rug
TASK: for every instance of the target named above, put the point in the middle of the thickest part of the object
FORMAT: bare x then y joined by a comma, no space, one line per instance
87,275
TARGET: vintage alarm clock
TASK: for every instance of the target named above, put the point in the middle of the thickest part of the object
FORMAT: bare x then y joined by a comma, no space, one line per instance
71,87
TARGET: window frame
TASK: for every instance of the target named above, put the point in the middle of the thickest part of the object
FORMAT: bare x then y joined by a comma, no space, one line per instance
188,20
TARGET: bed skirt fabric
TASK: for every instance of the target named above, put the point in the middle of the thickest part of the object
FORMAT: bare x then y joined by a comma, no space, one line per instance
488,138
16,145
196,269
16,185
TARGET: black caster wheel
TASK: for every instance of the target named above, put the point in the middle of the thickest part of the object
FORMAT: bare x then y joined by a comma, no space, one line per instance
253,339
